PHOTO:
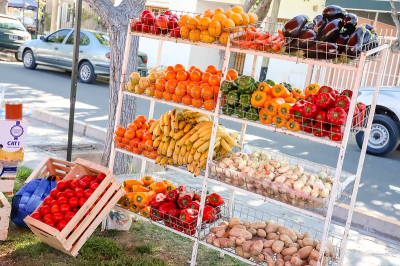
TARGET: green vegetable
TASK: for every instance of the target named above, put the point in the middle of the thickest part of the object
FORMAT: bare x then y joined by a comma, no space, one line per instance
287,86
245,101
227,110
240,112
247,85
232,98
237,80
270,82
227,86
252,114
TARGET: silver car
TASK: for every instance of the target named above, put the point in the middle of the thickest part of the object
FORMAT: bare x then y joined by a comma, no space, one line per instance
56,50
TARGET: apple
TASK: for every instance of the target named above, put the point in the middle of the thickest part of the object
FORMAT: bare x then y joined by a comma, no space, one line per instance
155,30
172,23
164,32
145,28
148,19
176,32
167,13
162,22
137,26
174,16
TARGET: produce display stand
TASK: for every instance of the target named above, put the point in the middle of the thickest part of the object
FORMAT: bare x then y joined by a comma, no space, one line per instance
5,210
356,67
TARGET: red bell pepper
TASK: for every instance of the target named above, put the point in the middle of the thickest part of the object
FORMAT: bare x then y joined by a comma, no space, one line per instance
194,205
172,195
356,117
215,200
310,110
321,116
158,200
165,208
343,101
184,199
347,93
307,126
172,217
297,109
326,89
188,218
208,213
197,196
325,101
336,116
361,107
311,98
320,129
181,188
177,225
335,133
155,214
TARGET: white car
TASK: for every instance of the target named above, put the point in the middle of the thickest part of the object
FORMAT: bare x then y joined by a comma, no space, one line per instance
385,130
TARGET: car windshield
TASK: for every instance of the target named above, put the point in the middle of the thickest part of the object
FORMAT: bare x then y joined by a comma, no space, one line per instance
103,38
11,24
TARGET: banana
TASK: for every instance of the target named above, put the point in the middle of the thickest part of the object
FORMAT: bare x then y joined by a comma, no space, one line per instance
187,127
185,158
175,157
177,149
165,138
160,147
190,157
165,147
182,125
198,114
171,147
196,157
203,158
167,128
203,124
187,114
194,137
156,142
153,138
198,143
189,147
225,145
205,132
158,159
157,129
192,120
234,135
164,160
202,118
203,147
178,135
190,168
184,139
192,131
230,141
182,152
170,161
167,118
161,121
153,126
197,171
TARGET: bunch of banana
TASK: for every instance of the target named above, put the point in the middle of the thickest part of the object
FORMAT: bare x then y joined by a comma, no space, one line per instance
183,138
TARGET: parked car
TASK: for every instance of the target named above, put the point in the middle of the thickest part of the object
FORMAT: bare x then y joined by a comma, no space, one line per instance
385,130
12,34
56,50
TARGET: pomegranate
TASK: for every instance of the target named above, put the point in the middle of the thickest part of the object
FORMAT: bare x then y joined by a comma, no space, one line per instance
148,18
176,32
155,30
172,23
162,22
137,26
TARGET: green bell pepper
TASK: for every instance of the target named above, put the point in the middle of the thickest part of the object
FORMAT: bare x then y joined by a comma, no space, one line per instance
227,86
287,86
237,80
247,85
245,101
227,110
252,114
232,98
270,82
240,112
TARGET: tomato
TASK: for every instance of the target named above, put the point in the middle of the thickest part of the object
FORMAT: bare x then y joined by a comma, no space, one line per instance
83,183
55,209
75,209
68,216
62,201
48,217
79,192
86,178
74,184
65,208
82,201
54,203
48,200
94,177
60,194
94,185
101,177
62,185
36,215
69,193
61,225
54,192
58,217
45,210
69,182
50,222
87,193
73,202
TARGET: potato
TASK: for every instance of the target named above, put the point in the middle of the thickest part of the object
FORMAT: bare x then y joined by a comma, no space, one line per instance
296,255
287,263
252,231
272,228
271,236
296,261
259,258
246,255
318,247
300,242
279,262
217,228
267,222
309,242
220,242
247,246
224,224
239,240
283,230
307,235
279,256
289,251
268,243
305,252
239,226
256,248
217,243
226,234
296,245
314,255
220,233
261,233
239,251
240,233
258,225
286,239
234,221
287,258
268,251
210,238
299,236
312,263
247,224
232,241
269,260
331,249
278,246
276,237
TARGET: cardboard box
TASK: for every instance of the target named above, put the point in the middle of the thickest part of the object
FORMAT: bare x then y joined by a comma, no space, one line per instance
12,140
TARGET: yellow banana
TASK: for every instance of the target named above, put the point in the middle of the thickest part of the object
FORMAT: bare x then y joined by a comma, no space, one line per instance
203,124
185,158
177,149
194,137
225,145
165,138
171,147
182,125
189,147
175,157
190,157
167,118
202,118
170,161
157,130
230,141
203,158
153,126
178,135
205,132
203,147
187,128
196,157
153,138
164,160
183,139
198,114
167,129
234,135
158,159
198,143
156,142
161,121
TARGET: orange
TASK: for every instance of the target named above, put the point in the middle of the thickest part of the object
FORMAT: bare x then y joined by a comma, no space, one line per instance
184,31
181,76
128,148
245,17
149,145
139,134
160,84
191,23
194,35
228,13
219,10
129,134
237,9
215,29
206,37
211,69
183,83
195,76
147,136
232,73
209,14
223,38
141,118
170,75
121,145
196,92
214,80
209,105
151,121
253,18
216,90
168,68
205,84
227,24
171,85
207,93
176,98
179,68
120,131
219,73
153,154
117,139
203,23
197,102
182,20
167,96
190,87
159,94
192,68
132,127
137,150
125,141
237,18
142,145
198,70
187,100
138,124
206,76
180,90
219,17
145,126
228,77
146,153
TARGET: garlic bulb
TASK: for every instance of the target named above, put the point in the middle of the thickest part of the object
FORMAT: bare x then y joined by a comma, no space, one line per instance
318,185
275,163
298,185
322,176
314,192
324,193
280,179
307,190
282,161
284,169
265,156
314,177
328,186
310,182
298,170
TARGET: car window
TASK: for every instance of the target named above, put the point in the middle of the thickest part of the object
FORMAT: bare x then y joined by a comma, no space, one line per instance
11,24
103,38
83,39
58,37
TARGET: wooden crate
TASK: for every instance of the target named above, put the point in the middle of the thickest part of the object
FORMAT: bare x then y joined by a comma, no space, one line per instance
50,166
7,178
89,216
4,216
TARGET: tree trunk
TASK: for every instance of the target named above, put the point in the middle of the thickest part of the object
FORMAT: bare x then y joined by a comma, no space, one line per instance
395,47
262,9
54,15
4,7
248,5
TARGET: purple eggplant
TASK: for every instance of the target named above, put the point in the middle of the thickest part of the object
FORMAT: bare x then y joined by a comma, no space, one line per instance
342,40
294,28
355,42
307,39
333,12
319,23
322,51
350,21
310,26
331,31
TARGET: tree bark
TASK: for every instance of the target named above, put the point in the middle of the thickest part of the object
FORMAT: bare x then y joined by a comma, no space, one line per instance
248,5
262,9
54,15
395,47
4,7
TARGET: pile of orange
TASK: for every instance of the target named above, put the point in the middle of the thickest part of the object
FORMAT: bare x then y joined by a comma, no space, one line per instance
136,138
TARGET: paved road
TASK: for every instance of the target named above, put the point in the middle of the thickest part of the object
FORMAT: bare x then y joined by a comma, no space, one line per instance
48,89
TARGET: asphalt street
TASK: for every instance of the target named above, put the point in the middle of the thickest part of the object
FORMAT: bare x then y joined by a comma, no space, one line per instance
49,89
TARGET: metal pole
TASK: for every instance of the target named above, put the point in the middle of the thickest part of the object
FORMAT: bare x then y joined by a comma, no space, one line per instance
74,78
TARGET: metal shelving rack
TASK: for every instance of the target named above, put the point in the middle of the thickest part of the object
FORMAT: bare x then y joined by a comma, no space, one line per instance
356,68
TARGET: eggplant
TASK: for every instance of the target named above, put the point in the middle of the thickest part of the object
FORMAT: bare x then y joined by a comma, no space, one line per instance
322,51
319,22
355,42
333,12
294,28
307,39
310,26
331,31
350,21
342,40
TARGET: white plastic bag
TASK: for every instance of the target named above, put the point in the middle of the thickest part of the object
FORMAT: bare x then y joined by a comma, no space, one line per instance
117,219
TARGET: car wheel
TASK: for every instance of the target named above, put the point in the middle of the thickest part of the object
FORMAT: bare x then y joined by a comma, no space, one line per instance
16,57
384,136
86,73
29,60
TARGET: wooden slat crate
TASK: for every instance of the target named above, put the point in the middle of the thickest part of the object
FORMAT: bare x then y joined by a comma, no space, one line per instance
89,216
7,178
5,210
50,166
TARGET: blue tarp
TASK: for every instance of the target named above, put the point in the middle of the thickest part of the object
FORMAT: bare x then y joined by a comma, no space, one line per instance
27,4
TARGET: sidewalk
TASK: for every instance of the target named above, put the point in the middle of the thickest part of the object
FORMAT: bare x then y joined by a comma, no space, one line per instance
363,248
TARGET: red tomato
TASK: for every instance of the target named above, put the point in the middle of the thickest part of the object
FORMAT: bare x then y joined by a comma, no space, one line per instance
73,202
61,225
62,185
101,177
55,209
54,203
78,192
50,222
69,182
74,184
83,183
48,217
58,217
68,216
87,178
45,210
87,193
93,177
75,209
62,201
60,194
36,215
54,192
94,185
48,200
69,193
65,208
82,201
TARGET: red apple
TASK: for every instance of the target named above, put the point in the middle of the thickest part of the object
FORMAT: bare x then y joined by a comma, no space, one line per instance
175,32
145,28
172,23
164,32
143,14
167,13
174,16
148,19
155,30
137,26
162,22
